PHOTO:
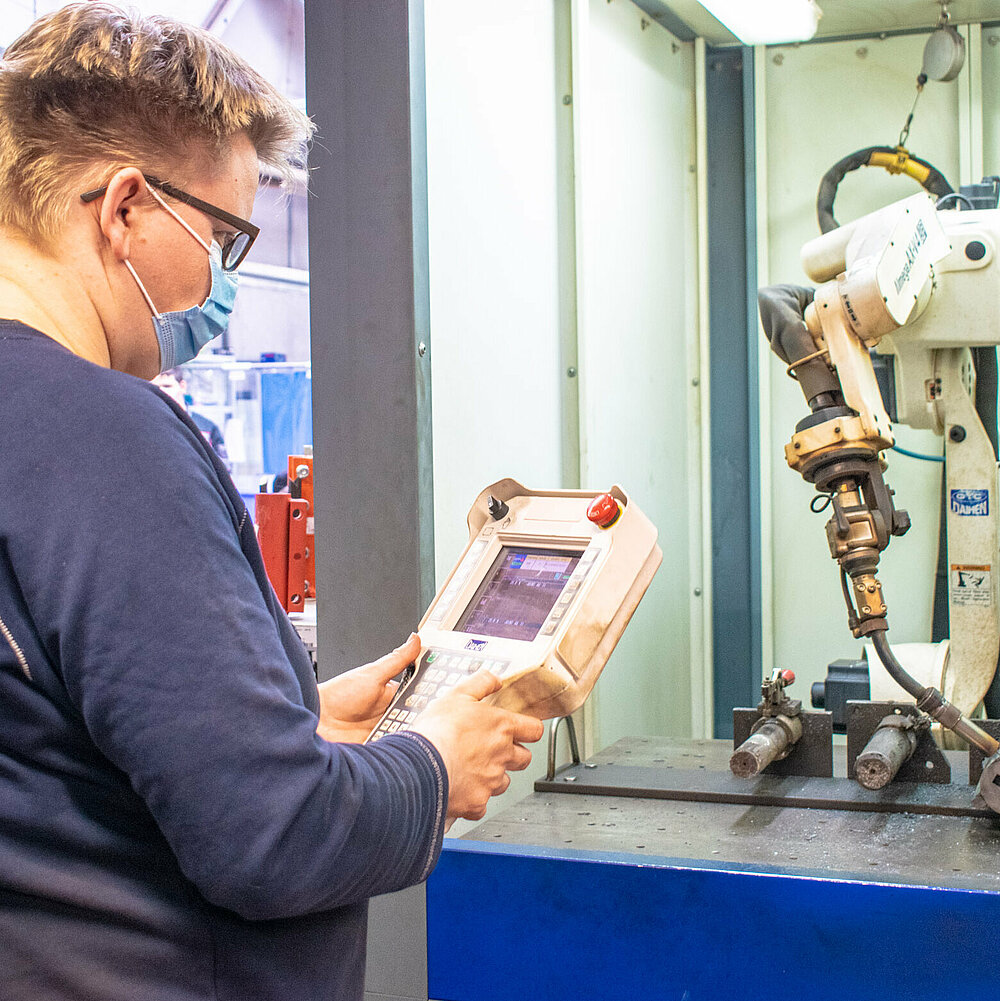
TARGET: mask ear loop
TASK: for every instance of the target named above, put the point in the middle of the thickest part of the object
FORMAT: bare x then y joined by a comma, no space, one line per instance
142,289
128,264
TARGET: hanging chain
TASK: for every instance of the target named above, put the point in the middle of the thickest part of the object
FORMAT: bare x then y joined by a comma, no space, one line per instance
904,133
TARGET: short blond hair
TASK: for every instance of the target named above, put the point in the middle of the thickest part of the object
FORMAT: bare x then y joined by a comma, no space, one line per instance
91,88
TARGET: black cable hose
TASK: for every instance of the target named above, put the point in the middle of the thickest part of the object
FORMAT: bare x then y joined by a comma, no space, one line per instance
893,666
931,701
936,183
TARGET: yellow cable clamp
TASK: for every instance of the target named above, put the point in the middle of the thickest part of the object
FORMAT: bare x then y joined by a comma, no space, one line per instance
900,162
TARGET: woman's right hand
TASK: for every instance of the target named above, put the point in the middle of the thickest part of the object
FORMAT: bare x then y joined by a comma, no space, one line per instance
479,743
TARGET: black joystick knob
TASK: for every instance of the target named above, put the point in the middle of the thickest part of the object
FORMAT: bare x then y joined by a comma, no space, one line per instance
497,508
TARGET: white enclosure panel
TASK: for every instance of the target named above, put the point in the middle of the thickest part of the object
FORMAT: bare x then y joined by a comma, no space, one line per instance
493,97
496,76
824,101
636,220
991,100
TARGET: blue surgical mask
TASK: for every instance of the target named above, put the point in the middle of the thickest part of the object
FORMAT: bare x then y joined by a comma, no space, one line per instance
181,334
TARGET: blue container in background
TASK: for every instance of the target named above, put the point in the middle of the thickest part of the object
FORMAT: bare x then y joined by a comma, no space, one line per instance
286,416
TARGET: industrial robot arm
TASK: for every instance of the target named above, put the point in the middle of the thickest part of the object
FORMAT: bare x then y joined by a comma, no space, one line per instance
877,277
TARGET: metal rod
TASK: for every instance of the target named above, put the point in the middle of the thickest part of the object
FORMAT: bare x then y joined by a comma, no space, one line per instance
574,747
790,370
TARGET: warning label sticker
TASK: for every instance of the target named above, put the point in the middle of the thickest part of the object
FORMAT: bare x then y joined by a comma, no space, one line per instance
971,585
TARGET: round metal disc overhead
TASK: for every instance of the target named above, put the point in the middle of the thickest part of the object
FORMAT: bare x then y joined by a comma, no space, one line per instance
944,54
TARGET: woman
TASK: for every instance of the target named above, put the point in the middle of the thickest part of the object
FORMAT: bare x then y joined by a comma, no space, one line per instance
183,814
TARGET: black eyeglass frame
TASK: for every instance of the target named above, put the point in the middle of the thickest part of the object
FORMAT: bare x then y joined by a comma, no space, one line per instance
245,227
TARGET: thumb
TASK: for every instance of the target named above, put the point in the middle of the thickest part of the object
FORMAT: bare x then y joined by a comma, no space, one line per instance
479,686
387,667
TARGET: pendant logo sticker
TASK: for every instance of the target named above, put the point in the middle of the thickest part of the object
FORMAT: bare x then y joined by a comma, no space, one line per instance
970,503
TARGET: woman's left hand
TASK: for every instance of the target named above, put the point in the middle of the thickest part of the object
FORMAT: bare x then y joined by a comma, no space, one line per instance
352,703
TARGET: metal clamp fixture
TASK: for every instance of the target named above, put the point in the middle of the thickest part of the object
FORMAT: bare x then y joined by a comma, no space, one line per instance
776,732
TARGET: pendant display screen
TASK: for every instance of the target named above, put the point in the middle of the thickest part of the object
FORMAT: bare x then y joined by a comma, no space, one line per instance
517,595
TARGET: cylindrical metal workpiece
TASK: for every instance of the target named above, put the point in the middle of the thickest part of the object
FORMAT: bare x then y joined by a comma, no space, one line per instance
989,782
891,745
773,740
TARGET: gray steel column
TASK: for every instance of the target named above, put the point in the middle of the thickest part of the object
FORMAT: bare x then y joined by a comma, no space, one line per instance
371,379
369,312
736,572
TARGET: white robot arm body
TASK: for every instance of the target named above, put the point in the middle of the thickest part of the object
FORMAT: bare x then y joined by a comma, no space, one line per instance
929,331
923,286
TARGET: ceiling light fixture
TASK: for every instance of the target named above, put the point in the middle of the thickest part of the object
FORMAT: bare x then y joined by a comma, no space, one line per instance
766,22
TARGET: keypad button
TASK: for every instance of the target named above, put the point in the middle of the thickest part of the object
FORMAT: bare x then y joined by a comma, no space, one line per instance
549,628
589,555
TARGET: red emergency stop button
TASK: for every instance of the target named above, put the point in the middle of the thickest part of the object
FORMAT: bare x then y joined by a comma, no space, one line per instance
604,511
788,677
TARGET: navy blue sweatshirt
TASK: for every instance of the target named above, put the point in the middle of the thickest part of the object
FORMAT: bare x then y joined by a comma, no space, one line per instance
171,827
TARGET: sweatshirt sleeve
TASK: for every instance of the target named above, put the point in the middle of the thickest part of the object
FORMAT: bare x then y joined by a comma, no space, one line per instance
170,655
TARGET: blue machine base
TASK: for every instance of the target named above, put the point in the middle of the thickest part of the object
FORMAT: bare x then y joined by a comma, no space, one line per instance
514,923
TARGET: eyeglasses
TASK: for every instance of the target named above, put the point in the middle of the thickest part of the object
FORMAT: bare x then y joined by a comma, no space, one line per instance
235,246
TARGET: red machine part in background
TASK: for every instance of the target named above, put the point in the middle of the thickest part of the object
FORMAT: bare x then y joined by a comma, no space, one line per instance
286,538
300,482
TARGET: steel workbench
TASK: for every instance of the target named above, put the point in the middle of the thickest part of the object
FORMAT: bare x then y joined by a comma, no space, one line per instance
576,895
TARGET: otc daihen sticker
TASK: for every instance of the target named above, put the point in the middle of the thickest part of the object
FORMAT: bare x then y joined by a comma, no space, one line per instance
971,585
970,503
